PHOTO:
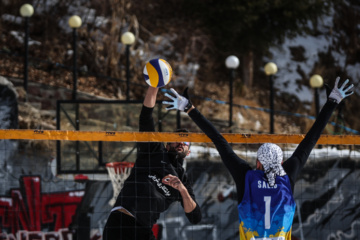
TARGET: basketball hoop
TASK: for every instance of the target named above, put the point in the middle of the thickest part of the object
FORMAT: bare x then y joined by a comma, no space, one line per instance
118,172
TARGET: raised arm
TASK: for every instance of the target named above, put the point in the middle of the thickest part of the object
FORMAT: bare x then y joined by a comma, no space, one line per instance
150,97
236,166
146,121
297,161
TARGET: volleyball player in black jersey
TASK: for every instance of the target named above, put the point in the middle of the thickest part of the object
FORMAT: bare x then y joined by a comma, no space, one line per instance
157,180
265,196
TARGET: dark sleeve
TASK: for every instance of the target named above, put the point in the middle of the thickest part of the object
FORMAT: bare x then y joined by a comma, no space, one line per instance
195,215
296,162
146,121
236,166
146,124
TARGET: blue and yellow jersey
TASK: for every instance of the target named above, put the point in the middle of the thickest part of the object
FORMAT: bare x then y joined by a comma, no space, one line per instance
266,212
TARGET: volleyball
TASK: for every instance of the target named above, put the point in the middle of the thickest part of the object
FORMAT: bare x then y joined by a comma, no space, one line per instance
157,73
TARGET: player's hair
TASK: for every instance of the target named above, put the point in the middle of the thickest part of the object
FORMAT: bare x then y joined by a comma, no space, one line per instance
182,130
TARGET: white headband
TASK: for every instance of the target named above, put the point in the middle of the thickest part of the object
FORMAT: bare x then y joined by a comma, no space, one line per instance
271,156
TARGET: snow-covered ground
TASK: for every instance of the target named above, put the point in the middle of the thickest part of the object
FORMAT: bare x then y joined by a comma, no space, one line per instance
288,74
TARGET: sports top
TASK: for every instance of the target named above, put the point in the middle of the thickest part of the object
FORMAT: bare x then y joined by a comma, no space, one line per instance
264,210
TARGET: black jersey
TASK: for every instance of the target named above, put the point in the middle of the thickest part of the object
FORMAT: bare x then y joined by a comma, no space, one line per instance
143,193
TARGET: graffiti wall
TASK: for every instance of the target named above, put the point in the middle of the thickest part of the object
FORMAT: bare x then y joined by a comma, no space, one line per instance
327,196
28,213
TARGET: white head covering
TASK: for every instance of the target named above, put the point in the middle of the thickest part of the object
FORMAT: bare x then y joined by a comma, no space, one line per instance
271,156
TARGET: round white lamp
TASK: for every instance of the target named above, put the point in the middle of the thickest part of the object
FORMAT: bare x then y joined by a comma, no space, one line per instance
316,81
26,10
232,62
128,38
75,21
270,68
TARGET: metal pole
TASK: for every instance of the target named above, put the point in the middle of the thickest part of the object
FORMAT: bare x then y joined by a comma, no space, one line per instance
232,75
75,65
339,118
178,120
300,221
127,72
26,60
271,105
77,144
160,118
317,104
100,146
127,53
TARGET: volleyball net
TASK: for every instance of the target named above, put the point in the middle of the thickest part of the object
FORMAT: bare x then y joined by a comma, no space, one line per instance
57,183
113,136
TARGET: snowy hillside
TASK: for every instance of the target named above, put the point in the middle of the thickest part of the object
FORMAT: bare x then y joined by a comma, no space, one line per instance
292,72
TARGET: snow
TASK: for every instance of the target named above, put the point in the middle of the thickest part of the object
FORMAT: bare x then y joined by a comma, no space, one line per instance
20,37
11,18
287,70
286,78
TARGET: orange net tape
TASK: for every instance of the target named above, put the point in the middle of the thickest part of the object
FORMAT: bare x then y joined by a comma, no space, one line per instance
168,137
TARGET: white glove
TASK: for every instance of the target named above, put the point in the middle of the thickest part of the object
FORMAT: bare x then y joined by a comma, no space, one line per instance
178,102
339,94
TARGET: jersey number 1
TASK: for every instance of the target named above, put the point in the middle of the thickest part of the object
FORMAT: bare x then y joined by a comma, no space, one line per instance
267,201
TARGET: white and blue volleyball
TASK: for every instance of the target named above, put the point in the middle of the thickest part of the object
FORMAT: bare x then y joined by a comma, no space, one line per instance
157,73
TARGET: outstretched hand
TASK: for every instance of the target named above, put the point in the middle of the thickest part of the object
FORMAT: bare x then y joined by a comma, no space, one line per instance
338,94
178,102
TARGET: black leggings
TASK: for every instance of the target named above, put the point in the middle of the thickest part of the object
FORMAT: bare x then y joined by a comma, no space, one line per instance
120,226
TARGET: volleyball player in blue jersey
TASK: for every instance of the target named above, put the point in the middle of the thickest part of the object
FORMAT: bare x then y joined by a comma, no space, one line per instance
265,196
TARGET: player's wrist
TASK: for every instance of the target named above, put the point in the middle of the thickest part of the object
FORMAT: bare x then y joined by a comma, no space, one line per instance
182,189
190,109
